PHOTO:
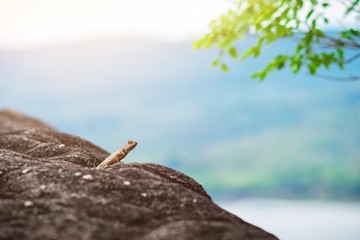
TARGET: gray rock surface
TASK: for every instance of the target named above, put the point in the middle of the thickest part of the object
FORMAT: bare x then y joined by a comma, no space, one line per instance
49,189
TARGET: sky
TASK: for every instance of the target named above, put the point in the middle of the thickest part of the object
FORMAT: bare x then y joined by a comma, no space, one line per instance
33,23
28,23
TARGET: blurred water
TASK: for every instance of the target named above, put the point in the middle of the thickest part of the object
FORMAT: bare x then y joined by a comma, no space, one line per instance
299,220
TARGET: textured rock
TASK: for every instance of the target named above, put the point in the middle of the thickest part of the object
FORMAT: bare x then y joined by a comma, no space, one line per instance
49,189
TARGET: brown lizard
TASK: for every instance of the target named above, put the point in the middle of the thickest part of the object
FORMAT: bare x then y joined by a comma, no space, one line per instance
118,155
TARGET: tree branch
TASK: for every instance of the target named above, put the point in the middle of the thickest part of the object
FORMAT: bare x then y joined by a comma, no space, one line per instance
353,58
342,79
334,42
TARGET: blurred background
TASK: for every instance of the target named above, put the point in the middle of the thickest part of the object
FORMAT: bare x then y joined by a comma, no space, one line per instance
283,154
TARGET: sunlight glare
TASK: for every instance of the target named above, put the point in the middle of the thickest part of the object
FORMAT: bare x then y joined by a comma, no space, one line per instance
29,23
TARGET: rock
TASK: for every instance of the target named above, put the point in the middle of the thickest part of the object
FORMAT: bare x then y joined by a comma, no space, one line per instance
49,189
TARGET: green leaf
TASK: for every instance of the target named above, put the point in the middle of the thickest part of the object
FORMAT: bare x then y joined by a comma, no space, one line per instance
261,75
312,68
313,23
224,67
296,63
354,32
325,5
233,52
197,44
299,47
247,53
215,63
296,67
326,63
340,53
309,14
341,65
257,50
225,42
208,41
280,65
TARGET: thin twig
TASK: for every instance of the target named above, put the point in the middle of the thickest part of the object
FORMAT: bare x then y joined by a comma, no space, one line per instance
118,155
352,58
341,79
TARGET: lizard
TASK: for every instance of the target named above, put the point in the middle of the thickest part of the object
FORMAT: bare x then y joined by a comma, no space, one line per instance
118,155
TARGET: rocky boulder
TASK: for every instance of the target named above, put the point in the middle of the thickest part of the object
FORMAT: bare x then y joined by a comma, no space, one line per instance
50,189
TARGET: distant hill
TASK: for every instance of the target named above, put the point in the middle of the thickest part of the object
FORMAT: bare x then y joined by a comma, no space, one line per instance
290,136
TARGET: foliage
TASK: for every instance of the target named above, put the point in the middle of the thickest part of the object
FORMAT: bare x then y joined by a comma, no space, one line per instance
273,20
